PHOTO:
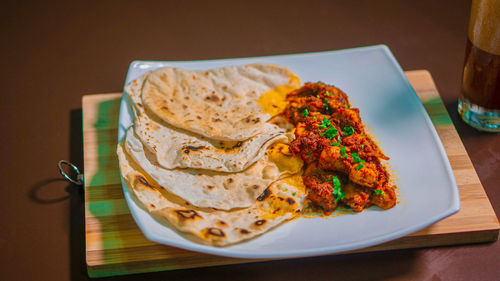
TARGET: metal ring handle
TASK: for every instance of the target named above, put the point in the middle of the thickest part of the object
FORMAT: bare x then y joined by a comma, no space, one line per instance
79,177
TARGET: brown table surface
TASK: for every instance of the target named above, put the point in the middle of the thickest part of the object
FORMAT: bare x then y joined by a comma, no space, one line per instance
52,54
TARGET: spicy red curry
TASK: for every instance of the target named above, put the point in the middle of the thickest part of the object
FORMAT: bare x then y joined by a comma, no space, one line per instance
343,163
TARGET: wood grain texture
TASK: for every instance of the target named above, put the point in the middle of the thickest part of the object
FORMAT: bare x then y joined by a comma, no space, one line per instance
116,246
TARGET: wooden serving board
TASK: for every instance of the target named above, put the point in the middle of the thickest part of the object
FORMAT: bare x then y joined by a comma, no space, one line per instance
116,246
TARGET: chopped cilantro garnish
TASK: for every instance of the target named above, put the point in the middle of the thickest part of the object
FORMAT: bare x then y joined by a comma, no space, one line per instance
335,144
319,83
346,106
359,166
337,190
379,192
330,132
362,146
192,173
305,112
309,154
315,118
348,130
356,159
293,193
285,189
342,152
324,123
328,94
325,101
335,181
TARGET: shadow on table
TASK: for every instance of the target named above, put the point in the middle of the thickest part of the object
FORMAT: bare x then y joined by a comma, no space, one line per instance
38,191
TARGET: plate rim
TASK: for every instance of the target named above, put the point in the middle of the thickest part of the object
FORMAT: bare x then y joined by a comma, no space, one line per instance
453,207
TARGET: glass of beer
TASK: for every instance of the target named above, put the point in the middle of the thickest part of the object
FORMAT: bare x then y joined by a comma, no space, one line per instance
479,101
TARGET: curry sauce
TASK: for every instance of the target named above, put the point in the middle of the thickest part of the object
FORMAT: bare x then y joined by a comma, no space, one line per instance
343,165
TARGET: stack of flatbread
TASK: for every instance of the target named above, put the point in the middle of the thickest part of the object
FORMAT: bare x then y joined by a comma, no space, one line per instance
204,154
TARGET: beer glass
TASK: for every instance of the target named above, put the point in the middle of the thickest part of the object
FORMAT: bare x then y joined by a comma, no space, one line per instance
479,101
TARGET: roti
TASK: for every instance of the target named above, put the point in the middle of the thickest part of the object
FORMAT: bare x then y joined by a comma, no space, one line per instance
282,201
175,148
212,189
220,104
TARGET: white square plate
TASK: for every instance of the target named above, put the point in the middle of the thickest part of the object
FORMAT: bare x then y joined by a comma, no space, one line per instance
376,84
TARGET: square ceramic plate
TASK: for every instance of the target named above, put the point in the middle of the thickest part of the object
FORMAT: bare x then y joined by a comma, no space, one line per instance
375,83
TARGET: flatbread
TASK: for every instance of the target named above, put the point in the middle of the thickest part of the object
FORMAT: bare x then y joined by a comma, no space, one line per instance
211,189
282,201
220,104
175,148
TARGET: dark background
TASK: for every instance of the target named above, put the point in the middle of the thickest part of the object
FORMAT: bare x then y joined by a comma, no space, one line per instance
53,53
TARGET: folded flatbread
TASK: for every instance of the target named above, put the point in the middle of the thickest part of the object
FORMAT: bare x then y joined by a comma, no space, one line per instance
281,201
221,103
176,148
212,189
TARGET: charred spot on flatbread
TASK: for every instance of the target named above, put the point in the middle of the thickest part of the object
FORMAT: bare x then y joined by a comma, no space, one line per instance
237,145
188,214
212,97
189,148
264,194
143,181
256,120
260,222
244,231
222,223
214,231
290,201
